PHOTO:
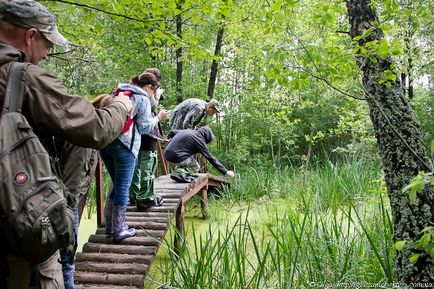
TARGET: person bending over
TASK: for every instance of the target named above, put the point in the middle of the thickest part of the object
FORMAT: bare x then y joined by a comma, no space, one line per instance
180,152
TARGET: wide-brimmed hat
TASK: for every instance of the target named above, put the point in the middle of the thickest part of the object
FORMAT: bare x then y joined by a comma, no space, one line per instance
215,104
29,13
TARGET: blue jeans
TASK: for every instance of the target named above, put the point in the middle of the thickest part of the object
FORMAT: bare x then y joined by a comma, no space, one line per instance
68,269
120,163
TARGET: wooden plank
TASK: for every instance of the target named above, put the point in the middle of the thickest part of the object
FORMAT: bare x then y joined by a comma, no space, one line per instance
167,194
199,185
103,278
112,268
119,249
116,258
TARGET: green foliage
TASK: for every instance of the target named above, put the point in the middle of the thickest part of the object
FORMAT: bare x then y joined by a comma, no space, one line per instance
418,184
422,247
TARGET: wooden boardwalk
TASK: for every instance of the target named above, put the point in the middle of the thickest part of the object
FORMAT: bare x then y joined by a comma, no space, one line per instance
125,265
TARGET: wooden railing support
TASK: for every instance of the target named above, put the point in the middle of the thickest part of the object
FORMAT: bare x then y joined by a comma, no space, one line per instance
204,202
163,162
100,220
179,241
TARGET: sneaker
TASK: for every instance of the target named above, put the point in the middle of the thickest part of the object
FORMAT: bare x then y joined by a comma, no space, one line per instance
189,178
158,200
179,178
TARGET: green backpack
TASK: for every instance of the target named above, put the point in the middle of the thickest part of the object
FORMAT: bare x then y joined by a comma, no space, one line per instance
34,218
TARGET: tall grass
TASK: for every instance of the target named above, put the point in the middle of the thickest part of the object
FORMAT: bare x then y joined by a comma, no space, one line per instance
334,230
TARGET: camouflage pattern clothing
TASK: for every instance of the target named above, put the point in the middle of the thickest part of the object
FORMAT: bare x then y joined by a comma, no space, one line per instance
188,114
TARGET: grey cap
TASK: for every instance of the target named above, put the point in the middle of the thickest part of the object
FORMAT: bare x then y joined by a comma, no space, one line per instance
215,104
29,13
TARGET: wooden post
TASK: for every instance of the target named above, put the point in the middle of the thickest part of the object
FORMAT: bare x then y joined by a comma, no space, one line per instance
163,162
179,241
82,202
100,220
204,202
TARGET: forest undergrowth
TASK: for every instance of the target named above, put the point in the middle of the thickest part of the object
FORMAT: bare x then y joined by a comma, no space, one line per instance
325,227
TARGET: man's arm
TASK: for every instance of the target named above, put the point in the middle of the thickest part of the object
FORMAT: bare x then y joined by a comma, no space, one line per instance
54,110
203,149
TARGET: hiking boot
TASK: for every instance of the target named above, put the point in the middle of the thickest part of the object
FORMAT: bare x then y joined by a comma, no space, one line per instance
120,230
132,200
143,205
179,178
108,216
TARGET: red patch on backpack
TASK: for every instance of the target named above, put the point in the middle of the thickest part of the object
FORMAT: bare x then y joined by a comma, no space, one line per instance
129,120
21,178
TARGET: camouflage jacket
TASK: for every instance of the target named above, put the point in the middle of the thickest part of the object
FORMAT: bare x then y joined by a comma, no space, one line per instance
188,114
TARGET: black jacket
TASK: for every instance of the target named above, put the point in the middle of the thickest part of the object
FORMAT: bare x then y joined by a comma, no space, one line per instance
185,143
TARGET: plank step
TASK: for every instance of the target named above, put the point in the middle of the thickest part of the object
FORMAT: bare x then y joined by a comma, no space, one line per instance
140,232
117,258
118,249
112,268
104,278
105,286
143,241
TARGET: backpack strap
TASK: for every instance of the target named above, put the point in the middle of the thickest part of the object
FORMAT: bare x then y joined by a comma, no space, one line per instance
15,88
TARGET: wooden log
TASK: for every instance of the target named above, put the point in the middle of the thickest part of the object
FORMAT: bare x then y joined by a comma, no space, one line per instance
141,241
117,258
179,241
118,249
112,268
165,208
204,202
148,225
140,232
149,214
105,286
103,278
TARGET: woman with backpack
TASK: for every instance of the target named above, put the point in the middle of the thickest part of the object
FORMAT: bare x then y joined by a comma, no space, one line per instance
120,156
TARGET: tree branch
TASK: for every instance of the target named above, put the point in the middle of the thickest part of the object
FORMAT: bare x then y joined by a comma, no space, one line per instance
105,11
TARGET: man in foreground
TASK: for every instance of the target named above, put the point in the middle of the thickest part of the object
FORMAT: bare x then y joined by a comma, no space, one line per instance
27,31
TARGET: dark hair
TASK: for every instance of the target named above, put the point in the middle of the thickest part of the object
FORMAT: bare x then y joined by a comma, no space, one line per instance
145,79
154,71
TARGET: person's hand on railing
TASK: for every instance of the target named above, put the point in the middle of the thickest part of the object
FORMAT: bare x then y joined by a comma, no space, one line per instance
230,174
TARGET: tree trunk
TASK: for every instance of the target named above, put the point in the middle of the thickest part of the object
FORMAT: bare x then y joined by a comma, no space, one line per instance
214,65
403,154
179,62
